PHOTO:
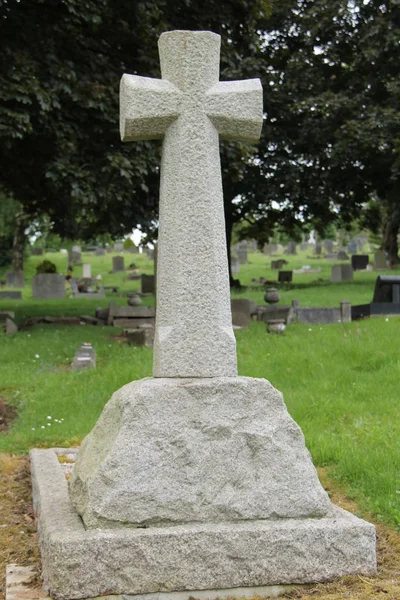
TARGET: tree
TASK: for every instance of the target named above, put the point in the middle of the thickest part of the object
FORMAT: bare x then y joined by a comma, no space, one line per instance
331,138
59,73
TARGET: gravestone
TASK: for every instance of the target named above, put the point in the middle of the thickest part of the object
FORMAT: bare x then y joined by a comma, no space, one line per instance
341,255
291,248
341,273
85,358
10,327
304,246
143,335
267,249
48,286
242,252
352,247
86,271
242,310
16,279
380,261
75,255
100,252
11,295
285,276
118,247
329,246
359,262
235,267
195,480
118,264
148,284
318,248
278,264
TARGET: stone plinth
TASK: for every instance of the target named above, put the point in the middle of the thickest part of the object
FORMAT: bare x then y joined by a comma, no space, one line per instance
81,563
48,286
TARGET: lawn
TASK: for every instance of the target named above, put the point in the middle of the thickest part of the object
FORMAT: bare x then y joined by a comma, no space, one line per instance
340,382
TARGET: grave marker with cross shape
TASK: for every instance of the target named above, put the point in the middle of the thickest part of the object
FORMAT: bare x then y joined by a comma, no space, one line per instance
189,108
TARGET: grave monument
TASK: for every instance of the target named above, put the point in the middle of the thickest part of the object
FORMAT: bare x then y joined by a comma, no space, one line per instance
194,479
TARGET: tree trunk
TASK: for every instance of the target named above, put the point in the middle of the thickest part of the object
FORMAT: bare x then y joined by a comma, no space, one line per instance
391,226
17,253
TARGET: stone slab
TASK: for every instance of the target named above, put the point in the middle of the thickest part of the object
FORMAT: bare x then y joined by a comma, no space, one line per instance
11,295
19,586
80,563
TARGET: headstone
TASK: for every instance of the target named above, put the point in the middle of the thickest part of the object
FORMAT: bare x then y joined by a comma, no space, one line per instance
285,276
37,251
242,310
380,261
278,264
318,248
10,327
235,267
16,279
291,248
329,246
196,466
48,286
85,358
118,264
341,273
242,252
142,336
148,284
341,255
86,271
267,249
100,252
352,247
304,246
359,262
11,295
252,245
118,247
75,256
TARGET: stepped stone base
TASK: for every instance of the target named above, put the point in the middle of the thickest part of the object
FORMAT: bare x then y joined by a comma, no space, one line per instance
178,561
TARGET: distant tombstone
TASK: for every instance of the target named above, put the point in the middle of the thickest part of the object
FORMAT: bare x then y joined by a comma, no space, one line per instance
242,309
291,248
267,249
341,273
100,252
387,290
118,264
278,264
328,245
37,251
242,252
274,247
109,249
318,248
285,276
380,261
11,295
352,247
10,327
359,262
15,279
235,268
85,358
143,335
341,255
48,286
63,251
150,253
133,250
304,246
86,271
148,284
252,246
75,256
118,247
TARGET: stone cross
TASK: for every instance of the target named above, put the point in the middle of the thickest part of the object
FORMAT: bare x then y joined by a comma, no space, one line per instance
189,108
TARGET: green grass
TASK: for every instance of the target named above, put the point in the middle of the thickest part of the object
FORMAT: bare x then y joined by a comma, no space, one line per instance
340,382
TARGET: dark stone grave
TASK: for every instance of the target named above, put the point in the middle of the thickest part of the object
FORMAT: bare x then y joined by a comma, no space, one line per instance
285,276
359,262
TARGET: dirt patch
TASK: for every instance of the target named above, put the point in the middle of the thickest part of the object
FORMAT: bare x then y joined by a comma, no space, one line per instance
18,540
7,414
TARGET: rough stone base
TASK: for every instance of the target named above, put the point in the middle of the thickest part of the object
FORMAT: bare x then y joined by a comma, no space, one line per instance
80,563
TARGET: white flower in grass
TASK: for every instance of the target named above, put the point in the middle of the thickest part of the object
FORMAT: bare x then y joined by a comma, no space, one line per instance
33,428
42,427
310,329
48,424
387,320
37,356
49,417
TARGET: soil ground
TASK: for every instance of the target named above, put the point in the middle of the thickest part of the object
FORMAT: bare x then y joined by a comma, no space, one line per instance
18,540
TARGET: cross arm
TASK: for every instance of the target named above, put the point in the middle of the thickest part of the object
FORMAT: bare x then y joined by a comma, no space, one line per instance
236,109
148,107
